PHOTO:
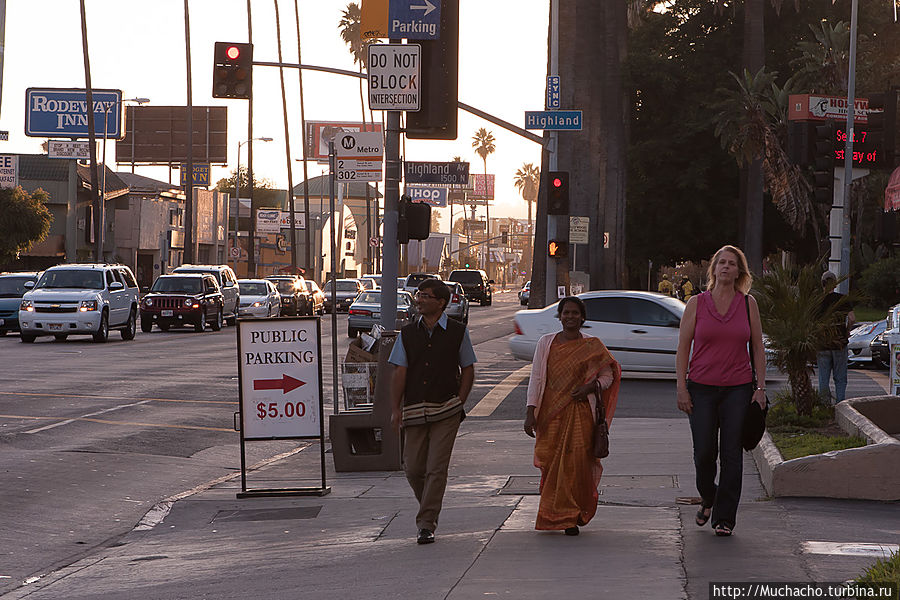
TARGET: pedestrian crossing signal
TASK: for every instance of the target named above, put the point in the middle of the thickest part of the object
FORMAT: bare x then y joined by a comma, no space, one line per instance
557,249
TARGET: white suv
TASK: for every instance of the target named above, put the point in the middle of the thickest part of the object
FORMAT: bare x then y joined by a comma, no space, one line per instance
81,299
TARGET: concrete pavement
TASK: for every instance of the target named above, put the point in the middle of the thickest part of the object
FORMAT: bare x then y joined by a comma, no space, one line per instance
358,541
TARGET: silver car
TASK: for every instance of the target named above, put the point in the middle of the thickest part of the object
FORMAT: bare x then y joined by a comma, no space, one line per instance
458,307
366,311
259,299
858,350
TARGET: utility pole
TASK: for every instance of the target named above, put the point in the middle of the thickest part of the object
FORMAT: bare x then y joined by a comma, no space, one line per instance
550,294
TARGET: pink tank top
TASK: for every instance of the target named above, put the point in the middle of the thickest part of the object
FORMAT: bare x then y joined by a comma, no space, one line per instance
720,355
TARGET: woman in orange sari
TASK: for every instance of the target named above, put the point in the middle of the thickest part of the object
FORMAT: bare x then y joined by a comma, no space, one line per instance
562,411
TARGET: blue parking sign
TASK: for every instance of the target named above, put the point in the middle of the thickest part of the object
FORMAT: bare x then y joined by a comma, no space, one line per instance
414,19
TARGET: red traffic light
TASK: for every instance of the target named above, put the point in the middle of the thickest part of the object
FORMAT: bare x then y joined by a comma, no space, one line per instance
233,52
557,182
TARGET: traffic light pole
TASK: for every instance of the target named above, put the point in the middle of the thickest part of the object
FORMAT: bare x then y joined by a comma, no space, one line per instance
844,272
391,251
550,294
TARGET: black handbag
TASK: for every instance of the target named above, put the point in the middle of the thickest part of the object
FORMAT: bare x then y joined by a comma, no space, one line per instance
755,419
601,431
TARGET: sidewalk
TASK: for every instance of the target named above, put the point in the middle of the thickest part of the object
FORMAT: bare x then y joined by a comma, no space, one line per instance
358,541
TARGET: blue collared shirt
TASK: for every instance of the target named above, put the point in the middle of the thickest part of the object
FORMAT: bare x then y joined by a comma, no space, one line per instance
466,352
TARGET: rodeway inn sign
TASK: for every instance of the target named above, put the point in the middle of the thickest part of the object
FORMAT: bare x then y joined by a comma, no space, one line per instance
62,112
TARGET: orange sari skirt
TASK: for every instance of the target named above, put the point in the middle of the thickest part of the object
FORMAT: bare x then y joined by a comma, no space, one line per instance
563,450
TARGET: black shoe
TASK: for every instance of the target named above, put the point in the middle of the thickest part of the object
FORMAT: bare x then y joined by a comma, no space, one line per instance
571,531
426,536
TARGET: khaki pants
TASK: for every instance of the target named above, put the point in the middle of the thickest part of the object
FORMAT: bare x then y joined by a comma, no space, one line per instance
426,459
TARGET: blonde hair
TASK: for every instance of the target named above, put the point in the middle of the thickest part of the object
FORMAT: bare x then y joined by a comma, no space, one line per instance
744,279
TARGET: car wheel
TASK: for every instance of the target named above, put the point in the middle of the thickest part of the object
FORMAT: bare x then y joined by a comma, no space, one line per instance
61,337
217,324
351,332
164,326
232,320
130,327
103,330
27,338
146,325
2,333
200,325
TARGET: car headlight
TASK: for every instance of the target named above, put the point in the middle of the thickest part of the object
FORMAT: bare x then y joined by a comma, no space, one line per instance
188,302
88,305
27,306
148,301
255,304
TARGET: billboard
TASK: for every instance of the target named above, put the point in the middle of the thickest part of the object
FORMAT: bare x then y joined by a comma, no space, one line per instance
483,187
157,135
62,112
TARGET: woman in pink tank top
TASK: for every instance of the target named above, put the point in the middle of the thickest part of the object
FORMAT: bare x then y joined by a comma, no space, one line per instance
717,387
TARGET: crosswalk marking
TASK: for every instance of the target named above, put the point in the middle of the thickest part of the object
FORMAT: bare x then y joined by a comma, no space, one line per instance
492,399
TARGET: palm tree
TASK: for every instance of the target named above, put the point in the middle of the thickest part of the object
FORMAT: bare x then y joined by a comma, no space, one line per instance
750,124
528,180
790,310
483,142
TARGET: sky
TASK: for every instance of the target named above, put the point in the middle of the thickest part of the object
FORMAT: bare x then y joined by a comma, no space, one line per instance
138,47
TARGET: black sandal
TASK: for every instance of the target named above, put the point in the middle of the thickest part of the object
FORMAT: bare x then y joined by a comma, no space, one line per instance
702,515
723,529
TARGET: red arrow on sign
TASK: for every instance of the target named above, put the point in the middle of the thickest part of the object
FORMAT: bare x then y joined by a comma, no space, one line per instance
285,384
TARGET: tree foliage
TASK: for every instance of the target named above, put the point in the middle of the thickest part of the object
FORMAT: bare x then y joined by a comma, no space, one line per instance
259,183
24,221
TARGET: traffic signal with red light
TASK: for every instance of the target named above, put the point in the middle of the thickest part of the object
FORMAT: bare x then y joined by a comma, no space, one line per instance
557,249
233,70
558,193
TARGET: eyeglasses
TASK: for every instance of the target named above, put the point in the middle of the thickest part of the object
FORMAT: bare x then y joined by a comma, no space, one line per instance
421,295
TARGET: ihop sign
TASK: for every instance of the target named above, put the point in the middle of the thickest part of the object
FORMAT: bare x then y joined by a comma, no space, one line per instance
435,196
62,112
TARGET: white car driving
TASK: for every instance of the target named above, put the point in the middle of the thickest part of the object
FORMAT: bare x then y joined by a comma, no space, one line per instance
639,328
259,299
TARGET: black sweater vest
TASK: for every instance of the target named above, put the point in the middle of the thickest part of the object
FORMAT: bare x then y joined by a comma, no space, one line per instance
433,362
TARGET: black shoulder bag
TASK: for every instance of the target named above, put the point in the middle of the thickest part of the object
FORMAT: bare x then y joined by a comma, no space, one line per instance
755,419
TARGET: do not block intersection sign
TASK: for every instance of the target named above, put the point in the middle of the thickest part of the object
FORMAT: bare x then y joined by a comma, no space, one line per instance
394,76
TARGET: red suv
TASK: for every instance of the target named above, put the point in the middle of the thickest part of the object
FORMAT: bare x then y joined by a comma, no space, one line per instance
183,299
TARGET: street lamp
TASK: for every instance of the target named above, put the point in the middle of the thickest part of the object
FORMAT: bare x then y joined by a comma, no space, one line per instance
102,215
237,194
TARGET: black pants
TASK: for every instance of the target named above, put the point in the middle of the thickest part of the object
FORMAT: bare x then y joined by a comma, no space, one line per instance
717,419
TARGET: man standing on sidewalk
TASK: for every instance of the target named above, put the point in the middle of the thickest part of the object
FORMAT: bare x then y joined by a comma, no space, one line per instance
433,375
833,356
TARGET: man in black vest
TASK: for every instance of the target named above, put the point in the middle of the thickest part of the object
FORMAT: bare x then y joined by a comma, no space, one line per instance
433,375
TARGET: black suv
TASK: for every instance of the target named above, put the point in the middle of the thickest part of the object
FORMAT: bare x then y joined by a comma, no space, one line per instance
476,284
295,298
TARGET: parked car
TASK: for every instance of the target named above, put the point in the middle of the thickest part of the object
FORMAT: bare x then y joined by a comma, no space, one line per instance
412,281
881,352
182,299
347,291
858,350
227,281
366,311
259,299
476,284
374,278
12,288
80,299
639,328
295,298
458,307
316,297
525,293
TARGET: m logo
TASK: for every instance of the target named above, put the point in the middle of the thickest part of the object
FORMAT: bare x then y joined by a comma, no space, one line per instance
348,142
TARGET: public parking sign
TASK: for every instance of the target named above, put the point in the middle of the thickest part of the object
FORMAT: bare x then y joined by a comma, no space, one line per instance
280,372
394,76
62,112
436,172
